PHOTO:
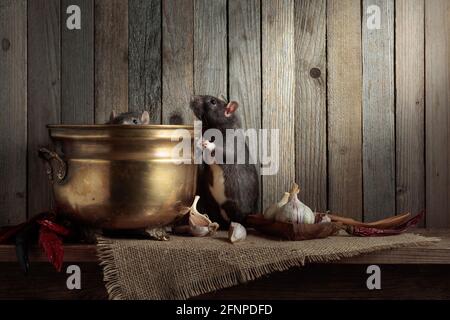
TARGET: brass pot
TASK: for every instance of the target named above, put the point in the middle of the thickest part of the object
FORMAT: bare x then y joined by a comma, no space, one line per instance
118,176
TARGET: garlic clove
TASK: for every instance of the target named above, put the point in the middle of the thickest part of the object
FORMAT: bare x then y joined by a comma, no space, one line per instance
200,225
237,232
272,210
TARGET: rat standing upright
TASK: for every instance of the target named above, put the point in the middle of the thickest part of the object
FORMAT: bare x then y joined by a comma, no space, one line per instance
228,192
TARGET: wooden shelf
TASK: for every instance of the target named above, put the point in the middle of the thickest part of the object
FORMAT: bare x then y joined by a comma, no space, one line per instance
408,273
438,253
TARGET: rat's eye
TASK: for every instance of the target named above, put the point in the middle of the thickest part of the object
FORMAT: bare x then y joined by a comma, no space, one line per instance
213,102
135,121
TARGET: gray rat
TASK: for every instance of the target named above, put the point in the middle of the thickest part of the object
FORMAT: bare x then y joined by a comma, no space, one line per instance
129,118
228,192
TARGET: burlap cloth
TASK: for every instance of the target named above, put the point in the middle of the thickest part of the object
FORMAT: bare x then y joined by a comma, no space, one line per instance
185,266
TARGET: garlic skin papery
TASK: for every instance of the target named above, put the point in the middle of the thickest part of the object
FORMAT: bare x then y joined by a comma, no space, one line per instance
270,212
199,224
237,232
295,211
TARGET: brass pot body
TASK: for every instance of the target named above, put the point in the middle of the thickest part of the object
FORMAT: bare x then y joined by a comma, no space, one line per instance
119,177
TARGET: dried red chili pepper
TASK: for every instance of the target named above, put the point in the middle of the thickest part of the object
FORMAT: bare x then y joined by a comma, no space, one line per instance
58,229
374,232
52,244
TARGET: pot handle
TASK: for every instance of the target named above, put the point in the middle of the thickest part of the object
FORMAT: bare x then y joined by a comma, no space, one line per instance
61,167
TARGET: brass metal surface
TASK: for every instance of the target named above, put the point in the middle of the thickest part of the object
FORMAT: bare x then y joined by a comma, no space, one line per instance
118,176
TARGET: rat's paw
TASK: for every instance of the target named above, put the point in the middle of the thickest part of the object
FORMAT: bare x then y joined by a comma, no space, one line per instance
206,144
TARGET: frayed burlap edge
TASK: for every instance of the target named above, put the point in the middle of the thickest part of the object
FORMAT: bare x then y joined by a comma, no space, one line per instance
110,273
236,277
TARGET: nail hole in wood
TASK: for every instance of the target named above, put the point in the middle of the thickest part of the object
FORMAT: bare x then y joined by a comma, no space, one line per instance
315,73
176,119
5,44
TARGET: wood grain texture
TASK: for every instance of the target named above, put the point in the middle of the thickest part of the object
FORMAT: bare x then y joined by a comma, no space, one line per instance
378,112
43,282
210,47
44,94
77,65
310,282
111,58
13,101
437,35
436,253
144,73
244,59
334,282
178,61
344,107
310,102
278,77
410,105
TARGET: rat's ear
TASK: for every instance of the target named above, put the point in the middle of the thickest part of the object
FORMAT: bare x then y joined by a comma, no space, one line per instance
112,116
145,117
231,108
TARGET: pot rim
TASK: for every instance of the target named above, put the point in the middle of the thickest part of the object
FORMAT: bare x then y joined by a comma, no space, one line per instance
121,126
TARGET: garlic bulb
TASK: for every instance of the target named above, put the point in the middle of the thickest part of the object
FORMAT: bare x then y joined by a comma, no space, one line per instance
236,232
272,210
295,211
200,225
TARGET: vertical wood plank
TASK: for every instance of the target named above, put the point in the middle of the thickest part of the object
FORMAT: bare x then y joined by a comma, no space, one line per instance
278,74
410,85
244,58
310,102
111,58
145,57
178,61
13,122
437,112
44,96
210,47
77,65
378,112
344,107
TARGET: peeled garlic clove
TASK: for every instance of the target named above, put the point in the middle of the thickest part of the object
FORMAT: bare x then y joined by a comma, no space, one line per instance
200,225
272,210
237,232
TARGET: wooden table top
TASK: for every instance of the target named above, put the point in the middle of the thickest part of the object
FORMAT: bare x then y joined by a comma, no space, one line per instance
438,253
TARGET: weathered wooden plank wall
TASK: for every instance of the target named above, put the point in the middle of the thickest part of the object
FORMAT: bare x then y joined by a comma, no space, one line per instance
210,47
278,90
13,102
310,102
44,93
378,111
144,72
410,105
437,33
77,65
344,107
177,60
363,112
111,58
